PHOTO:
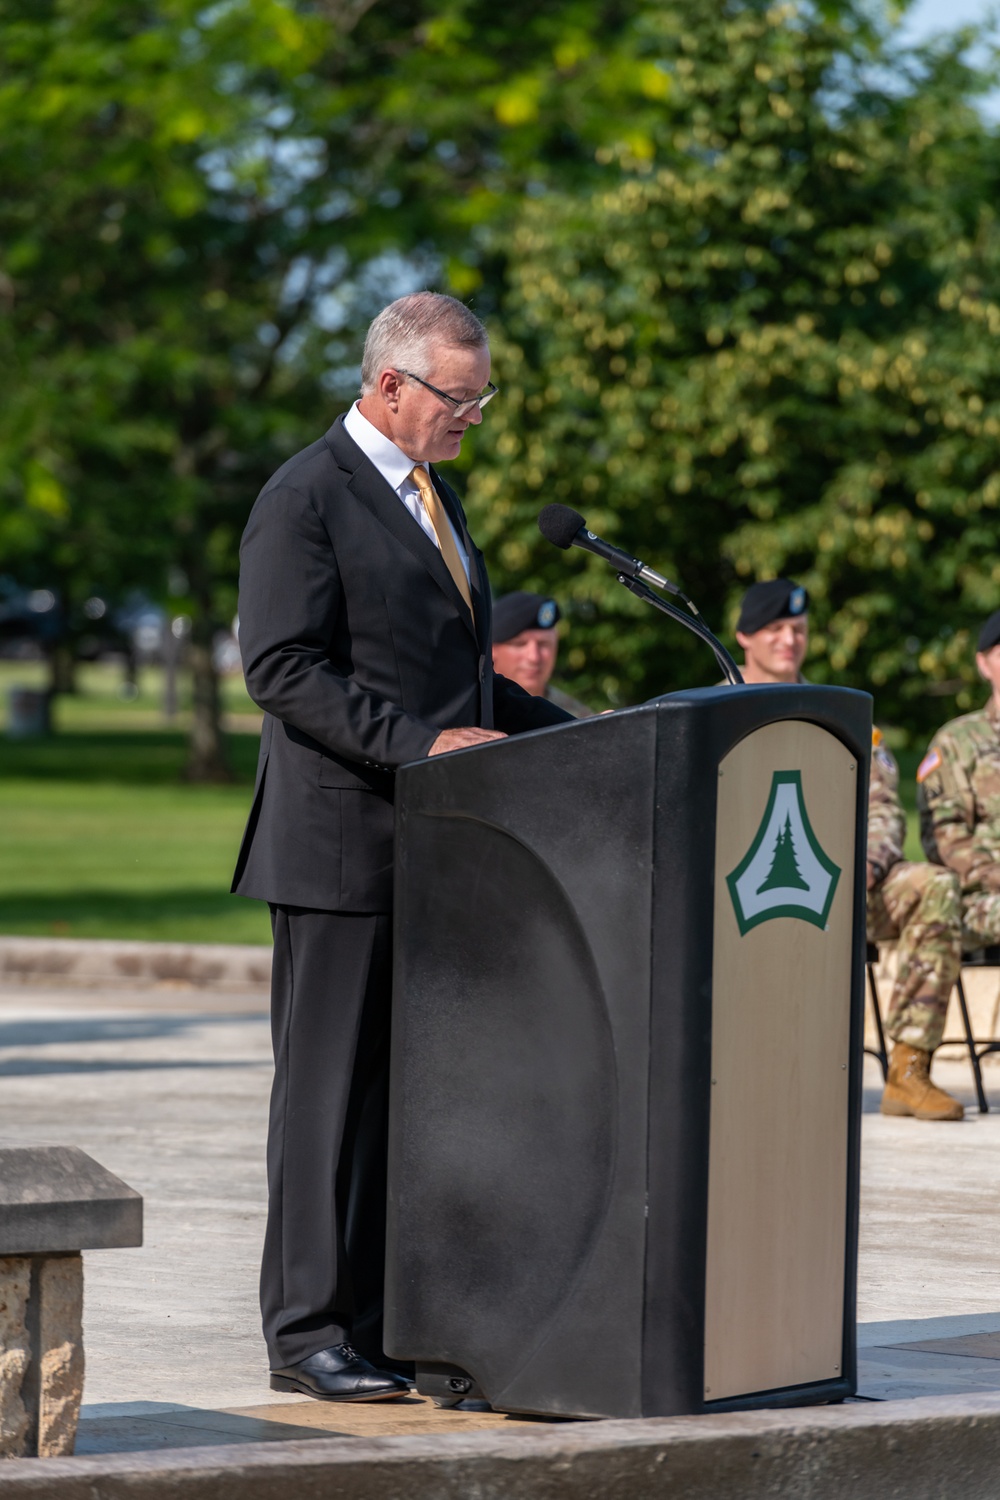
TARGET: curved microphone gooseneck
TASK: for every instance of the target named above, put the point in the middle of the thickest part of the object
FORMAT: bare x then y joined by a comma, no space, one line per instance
565,528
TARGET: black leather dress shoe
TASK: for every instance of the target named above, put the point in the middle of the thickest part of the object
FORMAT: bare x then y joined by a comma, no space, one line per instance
339,1374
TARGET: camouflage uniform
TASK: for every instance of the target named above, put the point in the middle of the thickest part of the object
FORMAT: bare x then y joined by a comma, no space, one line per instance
958,795
918,905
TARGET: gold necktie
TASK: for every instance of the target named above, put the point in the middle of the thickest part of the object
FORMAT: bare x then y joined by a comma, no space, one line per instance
443,532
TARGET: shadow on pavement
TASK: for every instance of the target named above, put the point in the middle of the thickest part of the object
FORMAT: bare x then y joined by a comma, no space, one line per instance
20,1036
59,1030
163,1425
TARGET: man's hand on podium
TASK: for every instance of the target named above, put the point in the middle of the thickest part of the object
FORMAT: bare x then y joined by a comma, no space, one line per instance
463,739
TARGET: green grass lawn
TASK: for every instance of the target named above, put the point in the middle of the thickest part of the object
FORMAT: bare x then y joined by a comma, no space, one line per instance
100,837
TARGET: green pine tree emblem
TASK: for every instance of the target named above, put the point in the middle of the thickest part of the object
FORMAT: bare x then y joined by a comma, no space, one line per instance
784,873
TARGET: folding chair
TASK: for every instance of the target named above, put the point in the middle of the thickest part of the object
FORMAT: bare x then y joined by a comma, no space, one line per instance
879,1052
980,958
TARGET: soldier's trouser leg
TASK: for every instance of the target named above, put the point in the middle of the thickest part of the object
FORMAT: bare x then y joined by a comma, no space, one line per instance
919,905
981,916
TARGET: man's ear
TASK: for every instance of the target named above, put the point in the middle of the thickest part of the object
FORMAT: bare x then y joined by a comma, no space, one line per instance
980,658
743,639
389,386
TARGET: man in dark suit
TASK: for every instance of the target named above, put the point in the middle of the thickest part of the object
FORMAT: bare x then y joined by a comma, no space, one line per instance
365,636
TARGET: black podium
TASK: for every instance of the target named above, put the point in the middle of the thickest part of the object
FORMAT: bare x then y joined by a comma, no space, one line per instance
627,1058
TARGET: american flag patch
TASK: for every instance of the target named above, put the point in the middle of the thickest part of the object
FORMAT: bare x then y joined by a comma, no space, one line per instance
930,763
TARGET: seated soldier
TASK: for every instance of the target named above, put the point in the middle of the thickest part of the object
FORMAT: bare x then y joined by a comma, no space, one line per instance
773,629
914,904
958,794
525,646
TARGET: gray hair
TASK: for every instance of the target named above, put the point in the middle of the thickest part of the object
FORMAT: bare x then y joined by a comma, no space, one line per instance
403,334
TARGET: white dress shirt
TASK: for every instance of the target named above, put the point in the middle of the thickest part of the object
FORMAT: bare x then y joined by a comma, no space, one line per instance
396,468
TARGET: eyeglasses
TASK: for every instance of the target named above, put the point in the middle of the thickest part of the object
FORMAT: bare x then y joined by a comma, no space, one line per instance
462,408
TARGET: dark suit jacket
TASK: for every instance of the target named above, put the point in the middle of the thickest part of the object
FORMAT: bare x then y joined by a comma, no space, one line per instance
360,649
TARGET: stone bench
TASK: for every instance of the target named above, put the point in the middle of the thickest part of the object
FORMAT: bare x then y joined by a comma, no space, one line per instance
54,1202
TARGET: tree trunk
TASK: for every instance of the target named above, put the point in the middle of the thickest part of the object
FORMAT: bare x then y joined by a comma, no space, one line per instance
130,676
171,654
206,747
62,668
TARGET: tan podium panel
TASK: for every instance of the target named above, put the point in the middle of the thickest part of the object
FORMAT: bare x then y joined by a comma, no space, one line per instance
774,1294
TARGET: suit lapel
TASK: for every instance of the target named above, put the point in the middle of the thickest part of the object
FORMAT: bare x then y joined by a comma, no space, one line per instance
368,486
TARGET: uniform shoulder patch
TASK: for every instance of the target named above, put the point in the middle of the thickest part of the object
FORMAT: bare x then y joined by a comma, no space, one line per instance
930,763
880,750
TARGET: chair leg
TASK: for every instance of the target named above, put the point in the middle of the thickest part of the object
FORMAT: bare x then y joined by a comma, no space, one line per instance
970,1042
881,1054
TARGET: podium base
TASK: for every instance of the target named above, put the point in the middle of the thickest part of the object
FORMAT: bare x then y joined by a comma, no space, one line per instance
447,1385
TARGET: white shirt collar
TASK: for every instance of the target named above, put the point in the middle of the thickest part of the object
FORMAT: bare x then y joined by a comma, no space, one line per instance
393,464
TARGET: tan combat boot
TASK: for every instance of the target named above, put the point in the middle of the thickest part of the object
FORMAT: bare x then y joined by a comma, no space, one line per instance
909,1091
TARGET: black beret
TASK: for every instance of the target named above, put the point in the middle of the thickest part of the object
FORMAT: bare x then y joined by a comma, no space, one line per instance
778,599
516,612
990,633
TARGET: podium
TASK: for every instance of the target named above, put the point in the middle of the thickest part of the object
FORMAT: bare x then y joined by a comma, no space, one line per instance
627,1049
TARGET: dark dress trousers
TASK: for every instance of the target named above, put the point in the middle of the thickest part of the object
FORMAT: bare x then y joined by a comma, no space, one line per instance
360,649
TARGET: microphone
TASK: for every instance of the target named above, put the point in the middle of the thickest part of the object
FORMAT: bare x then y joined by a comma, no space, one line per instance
565,528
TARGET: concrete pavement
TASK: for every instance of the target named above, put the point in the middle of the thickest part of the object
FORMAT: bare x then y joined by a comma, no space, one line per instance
168,1088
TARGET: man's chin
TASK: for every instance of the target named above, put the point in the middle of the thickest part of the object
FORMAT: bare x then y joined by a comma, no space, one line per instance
448,448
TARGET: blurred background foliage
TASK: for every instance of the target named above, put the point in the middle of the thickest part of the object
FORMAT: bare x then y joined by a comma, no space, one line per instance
763,340
740,264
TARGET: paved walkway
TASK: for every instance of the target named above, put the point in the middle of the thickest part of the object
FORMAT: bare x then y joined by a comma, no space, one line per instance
168,1088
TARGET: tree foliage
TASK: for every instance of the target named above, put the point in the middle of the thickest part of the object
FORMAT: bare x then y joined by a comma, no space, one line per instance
202,207
149,229
744,294
763,342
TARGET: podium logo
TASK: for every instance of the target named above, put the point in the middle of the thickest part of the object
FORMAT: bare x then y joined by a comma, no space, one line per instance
785,872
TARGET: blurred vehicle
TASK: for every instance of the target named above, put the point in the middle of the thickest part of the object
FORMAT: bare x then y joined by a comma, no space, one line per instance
31,620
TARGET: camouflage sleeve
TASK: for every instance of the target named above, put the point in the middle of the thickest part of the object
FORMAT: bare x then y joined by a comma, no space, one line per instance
947,806
886,819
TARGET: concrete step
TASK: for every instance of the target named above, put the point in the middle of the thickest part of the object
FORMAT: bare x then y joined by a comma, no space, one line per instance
922,1450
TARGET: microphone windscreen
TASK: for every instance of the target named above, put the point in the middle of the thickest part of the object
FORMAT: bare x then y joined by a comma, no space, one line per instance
559,524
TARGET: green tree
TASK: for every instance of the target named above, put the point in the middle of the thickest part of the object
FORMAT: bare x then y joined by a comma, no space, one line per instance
740,295
784,873
757,345
148,230
201,208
